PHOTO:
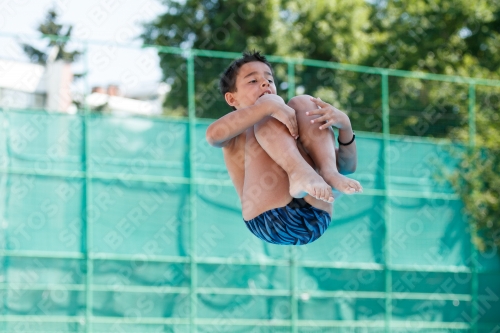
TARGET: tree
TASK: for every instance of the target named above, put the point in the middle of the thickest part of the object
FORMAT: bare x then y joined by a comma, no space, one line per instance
440,36
232,25
477,183
457,38
331,31
56,48
277,27
476,179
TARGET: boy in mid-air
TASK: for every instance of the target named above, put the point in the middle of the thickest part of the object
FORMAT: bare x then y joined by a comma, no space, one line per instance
282,157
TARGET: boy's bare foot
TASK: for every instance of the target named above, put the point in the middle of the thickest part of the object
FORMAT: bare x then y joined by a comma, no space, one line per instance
342,183
305,182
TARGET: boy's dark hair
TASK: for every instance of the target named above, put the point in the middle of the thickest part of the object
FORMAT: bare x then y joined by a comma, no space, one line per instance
227,81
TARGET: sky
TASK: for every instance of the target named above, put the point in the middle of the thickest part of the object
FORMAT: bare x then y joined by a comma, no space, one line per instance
115,22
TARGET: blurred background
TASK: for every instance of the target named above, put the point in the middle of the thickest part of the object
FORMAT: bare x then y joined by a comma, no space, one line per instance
117,216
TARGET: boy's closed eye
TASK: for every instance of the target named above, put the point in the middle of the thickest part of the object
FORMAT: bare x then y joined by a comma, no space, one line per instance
254,81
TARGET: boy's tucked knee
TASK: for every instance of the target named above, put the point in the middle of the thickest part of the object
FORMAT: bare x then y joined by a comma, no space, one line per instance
300,100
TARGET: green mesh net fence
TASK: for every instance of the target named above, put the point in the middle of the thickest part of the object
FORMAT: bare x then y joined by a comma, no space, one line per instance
131,224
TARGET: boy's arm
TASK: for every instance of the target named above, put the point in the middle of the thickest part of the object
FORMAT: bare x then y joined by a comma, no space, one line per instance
347,157
223,130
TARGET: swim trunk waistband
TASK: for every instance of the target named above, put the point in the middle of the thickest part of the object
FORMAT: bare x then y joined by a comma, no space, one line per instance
297,223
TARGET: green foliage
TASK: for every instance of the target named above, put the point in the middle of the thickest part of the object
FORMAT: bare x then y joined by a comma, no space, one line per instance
477,179
232,25
478,184
440,36
455,37
52,28
331,30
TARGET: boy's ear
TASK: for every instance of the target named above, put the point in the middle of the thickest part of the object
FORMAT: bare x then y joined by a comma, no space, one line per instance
230,99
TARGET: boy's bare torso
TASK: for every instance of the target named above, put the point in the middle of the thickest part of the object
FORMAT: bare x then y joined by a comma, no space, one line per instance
234,157
260,183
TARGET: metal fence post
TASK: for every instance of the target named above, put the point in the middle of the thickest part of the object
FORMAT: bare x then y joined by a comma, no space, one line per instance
387,207
192,191
291,80
473,230
87,201
292,252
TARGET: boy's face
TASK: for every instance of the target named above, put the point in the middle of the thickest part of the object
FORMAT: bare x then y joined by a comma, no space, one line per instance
254,80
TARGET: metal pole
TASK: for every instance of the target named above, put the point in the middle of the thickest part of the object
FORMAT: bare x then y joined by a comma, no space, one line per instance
291,80
293,260
87,199
293,291
192,191
472,115
3,212
473,229
387,208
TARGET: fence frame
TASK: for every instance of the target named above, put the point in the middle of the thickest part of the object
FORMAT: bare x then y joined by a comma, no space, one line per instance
89,256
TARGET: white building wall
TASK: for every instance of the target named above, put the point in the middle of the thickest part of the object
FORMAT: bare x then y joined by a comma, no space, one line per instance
58,79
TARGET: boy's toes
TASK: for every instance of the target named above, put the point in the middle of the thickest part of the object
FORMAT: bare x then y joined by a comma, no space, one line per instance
316,193
329,196
356,186
359,188
324,194
321,194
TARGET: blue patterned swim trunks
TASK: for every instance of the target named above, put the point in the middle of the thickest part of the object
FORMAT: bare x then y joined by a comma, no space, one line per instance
297,223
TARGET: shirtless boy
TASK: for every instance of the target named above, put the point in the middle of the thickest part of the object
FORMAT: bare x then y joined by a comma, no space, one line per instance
282,157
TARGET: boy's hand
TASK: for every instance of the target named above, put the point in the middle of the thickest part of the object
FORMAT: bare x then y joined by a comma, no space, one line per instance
277,108
329,116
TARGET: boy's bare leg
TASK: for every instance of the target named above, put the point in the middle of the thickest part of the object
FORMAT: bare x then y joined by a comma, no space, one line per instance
320,146
277,142
265,183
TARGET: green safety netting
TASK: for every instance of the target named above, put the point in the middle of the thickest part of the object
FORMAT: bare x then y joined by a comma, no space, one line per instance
129,224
